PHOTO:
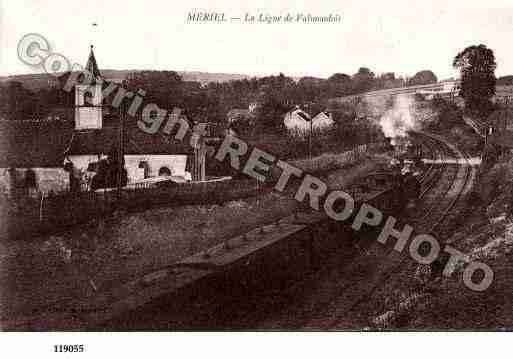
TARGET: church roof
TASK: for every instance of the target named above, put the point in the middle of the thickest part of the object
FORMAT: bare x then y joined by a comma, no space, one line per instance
46,144
136,142
92,66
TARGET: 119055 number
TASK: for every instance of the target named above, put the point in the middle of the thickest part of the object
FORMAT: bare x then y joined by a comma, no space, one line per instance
76,348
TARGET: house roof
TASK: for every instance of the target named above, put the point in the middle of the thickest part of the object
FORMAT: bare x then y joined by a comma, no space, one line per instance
45,144
32,144
300,113
322,114
136,141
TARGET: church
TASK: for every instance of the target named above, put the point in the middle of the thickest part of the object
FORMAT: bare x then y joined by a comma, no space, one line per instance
99,133
53,154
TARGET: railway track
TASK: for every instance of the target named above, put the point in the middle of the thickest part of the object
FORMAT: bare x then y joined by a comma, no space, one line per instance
444,186
407,291
337,302
440,202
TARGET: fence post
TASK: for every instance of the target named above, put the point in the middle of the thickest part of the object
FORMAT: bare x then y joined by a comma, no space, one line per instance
41,207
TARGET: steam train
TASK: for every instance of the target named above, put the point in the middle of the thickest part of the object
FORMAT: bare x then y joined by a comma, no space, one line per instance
403,180
406,167
409,190
406,151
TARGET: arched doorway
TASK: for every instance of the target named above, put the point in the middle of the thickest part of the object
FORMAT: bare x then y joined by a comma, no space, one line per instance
164,171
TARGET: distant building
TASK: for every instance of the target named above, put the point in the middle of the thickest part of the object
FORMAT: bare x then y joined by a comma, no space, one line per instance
442,89
298,121
241,114
237,114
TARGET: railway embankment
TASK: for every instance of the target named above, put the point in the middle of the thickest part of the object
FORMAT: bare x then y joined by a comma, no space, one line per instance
484,232
487,235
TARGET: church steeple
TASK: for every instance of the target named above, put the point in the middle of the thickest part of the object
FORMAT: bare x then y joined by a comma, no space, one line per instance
92,66
88,98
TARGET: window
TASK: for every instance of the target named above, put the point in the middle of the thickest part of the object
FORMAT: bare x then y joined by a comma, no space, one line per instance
88,97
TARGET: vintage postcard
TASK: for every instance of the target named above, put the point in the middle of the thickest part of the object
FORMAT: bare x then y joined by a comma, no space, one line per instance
335,166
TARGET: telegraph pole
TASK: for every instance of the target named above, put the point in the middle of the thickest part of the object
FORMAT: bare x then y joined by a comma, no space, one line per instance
121,145
310,139
307,111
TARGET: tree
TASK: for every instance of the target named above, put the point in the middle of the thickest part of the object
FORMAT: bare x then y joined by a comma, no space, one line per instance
449,115
339,85
308,89
164,88
202,106
17,102
477,68
424,77
363,80
387,80
270,113
107,174
276,93
339,78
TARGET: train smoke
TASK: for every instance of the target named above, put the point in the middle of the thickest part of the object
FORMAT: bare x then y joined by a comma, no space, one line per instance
399,119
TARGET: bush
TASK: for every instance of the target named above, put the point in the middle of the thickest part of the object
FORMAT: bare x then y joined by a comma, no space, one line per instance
449,115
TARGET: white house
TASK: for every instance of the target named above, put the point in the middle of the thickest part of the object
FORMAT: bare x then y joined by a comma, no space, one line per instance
300,122
323,120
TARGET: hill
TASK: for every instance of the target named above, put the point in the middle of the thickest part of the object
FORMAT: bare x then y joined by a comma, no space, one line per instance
505,80
42,80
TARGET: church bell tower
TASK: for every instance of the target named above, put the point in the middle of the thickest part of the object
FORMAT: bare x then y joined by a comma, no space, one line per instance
88,98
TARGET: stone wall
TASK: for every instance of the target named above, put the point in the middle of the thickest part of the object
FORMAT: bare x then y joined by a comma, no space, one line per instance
47,179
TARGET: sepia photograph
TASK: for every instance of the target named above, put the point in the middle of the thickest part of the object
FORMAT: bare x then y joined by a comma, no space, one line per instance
335,167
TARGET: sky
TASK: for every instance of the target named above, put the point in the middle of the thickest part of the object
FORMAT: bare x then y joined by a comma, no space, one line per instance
387,36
